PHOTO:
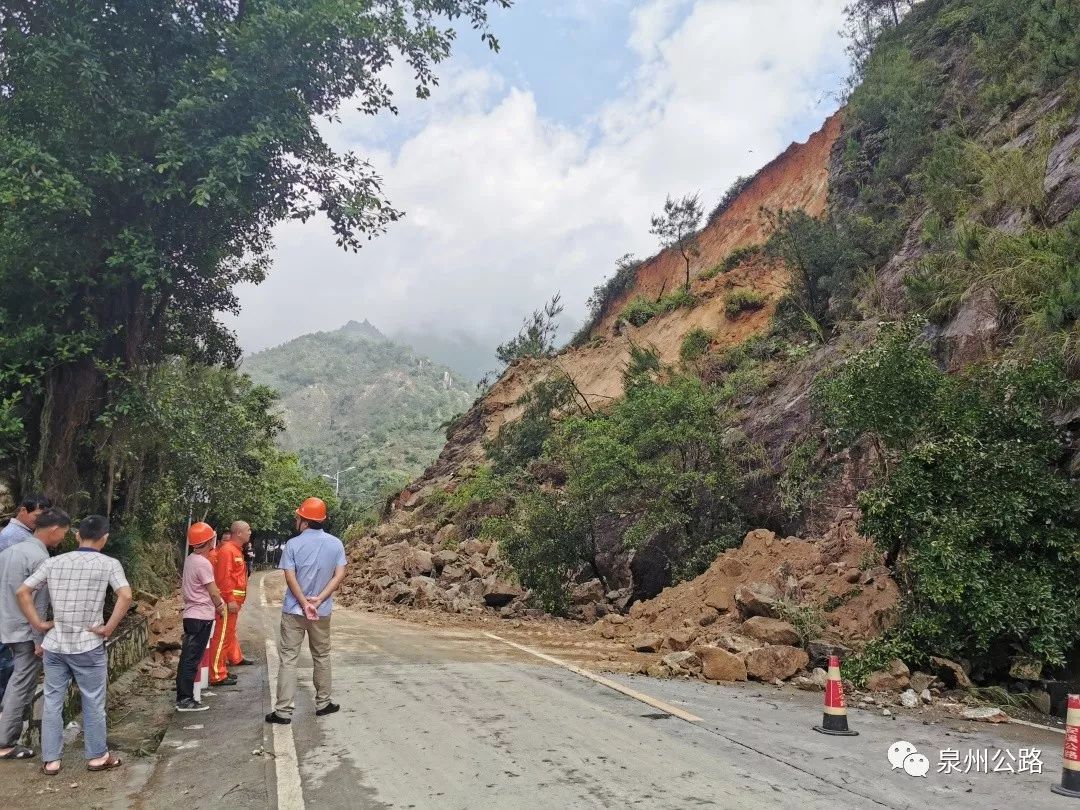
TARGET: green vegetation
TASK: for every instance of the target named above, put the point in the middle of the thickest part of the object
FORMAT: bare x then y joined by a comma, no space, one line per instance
677,228
352,398
146,153
656,468
641,310
801,481
808,620
734,190
742,300
970,505
537,335
695,344
626,269
521,441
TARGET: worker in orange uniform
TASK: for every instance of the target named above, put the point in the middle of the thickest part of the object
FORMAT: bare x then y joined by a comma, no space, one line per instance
230,574
240,536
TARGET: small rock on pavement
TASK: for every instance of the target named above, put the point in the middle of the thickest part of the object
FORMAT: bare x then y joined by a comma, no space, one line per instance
925,696
820,677
908,699
986,714
886,713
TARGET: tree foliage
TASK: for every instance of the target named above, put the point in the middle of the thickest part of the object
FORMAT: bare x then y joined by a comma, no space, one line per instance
537,335
146,152
970,504
677,227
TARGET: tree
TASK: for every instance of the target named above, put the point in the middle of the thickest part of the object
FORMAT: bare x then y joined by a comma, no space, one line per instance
537,335
864,22
677,227
146,152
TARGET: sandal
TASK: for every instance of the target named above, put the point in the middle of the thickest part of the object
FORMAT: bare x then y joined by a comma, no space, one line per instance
107,765
19,752
45,770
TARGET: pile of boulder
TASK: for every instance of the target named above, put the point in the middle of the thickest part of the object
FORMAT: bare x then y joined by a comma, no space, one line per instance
432,569
737,621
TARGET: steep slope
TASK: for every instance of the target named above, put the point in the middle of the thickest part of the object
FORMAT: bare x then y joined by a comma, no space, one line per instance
354,398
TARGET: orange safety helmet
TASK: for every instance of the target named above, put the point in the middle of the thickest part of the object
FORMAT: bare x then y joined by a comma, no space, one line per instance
312,509
199,534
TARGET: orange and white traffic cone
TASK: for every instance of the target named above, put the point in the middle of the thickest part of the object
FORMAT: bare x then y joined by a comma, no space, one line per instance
834,720
1070,771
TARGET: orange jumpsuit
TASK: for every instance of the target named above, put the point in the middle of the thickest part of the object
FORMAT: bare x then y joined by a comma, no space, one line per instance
230,574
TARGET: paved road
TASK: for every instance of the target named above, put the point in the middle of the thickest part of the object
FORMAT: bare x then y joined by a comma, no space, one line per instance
439,719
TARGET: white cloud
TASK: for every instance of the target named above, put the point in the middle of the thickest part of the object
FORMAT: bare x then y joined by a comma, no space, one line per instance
506,207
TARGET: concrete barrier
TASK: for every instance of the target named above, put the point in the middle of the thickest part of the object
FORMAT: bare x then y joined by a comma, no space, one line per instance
126,649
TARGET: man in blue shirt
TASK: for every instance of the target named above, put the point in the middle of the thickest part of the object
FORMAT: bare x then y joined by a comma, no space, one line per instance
314,566
19,528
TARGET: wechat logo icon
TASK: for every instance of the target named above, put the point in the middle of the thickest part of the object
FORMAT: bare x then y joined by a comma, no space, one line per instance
903,754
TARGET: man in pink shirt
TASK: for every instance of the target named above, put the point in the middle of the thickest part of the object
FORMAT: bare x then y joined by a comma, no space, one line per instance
202,602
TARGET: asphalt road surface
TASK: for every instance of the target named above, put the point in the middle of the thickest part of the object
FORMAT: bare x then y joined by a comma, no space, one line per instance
456,719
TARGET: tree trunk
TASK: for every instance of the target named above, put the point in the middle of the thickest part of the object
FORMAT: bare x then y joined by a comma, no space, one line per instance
73,394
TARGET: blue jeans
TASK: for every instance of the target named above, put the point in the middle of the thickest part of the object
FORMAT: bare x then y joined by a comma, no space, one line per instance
7,665
90,670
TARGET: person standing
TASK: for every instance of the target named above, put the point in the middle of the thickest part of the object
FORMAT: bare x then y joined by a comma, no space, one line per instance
17,562
18,528
202,602
314,566
230,574
75,640
240,534
21,526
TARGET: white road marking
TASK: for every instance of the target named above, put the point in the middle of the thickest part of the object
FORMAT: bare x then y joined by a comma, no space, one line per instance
286,767
656,703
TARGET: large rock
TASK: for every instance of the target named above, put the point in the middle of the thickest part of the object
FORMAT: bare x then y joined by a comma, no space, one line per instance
771,631
986,714
498,593
390,561
735,643
588,592
681,639
819,651
444,557
1062,182
778,662
418,562
1025,669
950,672
685,660
452,573
650,642
448,535
717,664
473,546
398,593
756,599
884,681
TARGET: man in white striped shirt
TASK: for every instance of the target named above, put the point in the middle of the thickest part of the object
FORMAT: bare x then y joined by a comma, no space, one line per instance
75,640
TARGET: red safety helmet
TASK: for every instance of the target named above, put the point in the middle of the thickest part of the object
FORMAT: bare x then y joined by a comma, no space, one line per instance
200,533
312,509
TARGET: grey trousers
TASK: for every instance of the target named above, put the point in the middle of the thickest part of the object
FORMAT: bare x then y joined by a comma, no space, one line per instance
91,673
20,692
293,630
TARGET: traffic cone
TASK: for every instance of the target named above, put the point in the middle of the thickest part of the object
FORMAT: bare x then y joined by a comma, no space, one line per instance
834,720
1070,772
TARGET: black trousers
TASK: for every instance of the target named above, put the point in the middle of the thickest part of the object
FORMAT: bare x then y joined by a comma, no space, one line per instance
196,636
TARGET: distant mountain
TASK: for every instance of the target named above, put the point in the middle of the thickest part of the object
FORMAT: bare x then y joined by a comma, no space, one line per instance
458,350
354,398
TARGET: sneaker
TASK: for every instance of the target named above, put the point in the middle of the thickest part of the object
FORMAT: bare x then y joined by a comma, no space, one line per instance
329,708
190,705
274,717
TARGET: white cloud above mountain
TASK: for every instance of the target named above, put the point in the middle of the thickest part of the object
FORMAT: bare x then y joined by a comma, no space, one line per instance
507,205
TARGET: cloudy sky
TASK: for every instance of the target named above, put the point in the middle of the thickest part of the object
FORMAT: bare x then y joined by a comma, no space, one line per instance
530,171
